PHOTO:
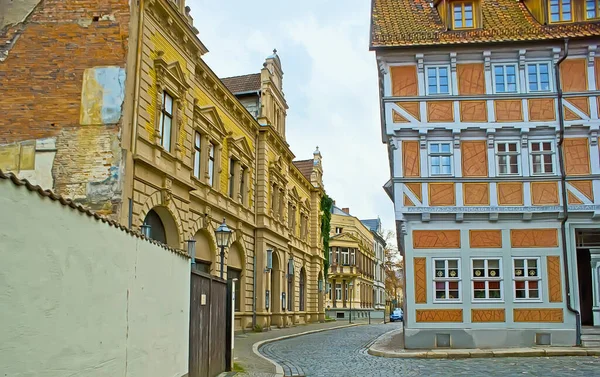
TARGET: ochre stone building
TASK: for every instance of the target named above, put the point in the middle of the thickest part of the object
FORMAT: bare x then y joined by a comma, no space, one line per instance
491,119
111,104
352,267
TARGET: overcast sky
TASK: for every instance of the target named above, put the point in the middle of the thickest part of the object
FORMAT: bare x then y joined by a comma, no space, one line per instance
330,84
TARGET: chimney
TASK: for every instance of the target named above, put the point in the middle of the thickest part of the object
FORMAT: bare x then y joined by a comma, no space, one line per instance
346,210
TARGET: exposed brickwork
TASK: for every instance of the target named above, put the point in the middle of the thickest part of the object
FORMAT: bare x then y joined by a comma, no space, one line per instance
41,82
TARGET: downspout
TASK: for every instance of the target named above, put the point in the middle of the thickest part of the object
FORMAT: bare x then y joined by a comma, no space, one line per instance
136,95
563,186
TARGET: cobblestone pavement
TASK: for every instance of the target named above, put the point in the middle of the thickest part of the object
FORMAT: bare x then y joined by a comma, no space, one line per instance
343,353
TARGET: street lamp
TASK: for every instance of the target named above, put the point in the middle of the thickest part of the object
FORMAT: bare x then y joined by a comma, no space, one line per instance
351,294
223,235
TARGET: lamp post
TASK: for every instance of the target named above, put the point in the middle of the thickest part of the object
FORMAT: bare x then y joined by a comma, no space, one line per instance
350,284
223,235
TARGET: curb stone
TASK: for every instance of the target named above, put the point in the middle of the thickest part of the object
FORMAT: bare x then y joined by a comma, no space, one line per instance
487,353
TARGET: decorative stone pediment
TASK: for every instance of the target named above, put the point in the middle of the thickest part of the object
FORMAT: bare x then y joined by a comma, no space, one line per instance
241,146
170,75
345,237
294,194
211,118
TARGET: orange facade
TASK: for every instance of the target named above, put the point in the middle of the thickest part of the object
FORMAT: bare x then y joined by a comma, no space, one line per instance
476,194
441,194
485,238
420,266
436,239
474,158
404,81
534,238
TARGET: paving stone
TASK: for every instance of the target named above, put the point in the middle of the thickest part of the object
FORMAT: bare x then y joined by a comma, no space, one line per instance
344,353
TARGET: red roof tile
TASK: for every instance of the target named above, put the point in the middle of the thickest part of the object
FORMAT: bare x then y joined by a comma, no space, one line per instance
305,167
242,84
418,23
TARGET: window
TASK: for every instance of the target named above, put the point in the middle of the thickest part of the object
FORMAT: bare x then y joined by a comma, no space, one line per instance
462,15
505,78
166,121
232,164
446,279
542,157
526,276
538,77
508,158
560,11
301,286
592,9
211,164
329,290
338,230
197,154
290,289
346,297
437,80
440,159
330,256
345,256
243,184
353,257
292,218
487,279
236,274
338,291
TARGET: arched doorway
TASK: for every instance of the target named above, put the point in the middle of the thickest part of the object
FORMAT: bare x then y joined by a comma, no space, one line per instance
162,226
205,252
235,269
302,289
275,284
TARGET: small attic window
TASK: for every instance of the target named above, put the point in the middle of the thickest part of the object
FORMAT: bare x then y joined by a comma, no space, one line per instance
463,14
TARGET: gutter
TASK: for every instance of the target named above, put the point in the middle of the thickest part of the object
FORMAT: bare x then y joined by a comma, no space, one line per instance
563,186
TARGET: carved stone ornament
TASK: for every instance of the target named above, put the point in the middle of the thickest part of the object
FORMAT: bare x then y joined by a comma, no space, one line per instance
166,191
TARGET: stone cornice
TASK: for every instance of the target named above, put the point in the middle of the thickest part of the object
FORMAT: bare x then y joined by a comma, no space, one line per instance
174,22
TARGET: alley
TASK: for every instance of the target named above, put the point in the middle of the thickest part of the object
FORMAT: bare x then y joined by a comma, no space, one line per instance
344,353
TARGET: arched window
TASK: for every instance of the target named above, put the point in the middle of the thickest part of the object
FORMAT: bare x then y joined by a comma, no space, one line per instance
302,288
157,228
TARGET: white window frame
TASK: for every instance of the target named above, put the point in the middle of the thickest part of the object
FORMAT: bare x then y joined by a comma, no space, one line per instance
504,74
437,79
446,280
166,137
345,256
338,291
552,153
487,279
550,72
338,230
527,279
517,153
211,163
197,172
440,154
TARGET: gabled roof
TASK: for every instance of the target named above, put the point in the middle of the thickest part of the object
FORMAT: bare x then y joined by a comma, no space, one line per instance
305,167
418,23
242,84
338,211
372,224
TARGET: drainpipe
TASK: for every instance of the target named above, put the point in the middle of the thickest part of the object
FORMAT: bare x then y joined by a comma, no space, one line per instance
563,186
134,124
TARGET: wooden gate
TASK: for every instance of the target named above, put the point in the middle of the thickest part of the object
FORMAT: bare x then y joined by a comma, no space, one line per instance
210,326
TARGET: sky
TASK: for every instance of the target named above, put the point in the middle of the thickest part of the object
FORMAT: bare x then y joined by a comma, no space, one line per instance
330,84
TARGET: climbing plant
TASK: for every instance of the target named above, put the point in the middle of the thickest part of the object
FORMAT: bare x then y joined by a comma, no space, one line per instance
326,204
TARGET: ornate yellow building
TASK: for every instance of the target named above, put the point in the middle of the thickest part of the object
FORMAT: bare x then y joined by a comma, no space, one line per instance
159,140
352,266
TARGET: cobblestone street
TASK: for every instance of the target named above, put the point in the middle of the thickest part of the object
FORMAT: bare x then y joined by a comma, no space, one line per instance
343,352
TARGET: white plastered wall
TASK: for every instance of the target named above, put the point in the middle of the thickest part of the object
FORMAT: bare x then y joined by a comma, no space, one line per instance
82,298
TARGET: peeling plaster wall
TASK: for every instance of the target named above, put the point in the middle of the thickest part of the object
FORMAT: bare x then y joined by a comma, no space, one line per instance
62,77
31,160
82,298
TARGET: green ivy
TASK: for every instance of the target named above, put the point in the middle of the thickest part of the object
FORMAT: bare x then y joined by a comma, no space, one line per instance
326,204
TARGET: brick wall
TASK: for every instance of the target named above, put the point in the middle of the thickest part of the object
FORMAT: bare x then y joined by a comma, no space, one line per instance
41,80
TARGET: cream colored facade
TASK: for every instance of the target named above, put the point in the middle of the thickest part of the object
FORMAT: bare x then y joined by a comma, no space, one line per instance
352,264
188,155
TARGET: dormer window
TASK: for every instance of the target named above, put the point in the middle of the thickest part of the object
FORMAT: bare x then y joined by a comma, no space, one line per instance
560,11
592,9
463,15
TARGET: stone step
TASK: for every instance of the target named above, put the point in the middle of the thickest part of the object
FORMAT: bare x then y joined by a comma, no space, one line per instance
591,343
590,337
589,330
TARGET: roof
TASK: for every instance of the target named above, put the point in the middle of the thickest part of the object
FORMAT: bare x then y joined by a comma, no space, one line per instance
418,23
338,211
71,204
242,84
372,224
305,167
